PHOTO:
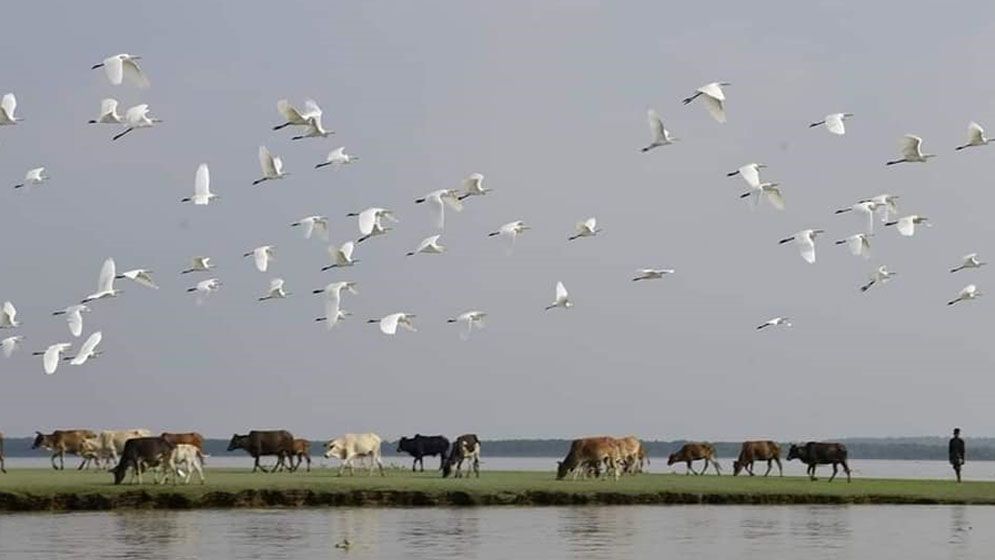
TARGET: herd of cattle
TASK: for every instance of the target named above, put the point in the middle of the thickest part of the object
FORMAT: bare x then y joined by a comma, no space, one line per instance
176,456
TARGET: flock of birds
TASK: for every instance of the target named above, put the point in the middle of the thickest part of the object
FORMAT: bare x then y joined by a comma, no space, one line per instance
375,221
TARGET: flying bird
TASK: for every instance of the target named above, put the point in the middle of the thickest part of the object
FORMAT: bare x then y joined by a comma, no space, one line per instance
887,204
968,293
198,264
471,320
439,199
969,261
510,232
105,283
8,316
10,344
74,316
867,207
7,106
205,288
313,225
911,150
276,290
202,194
714,99
430,246
661,136
652,273
775,322
108,112
341,256
88,350
120,65
975,136
333,302
880,276
473,185
371,222
907,225
805,240
337,158
135,118
768,190
271,165
562,298
293,116
313,129
34,176
261,256
749,172
586,228
833,123
858,244
52,356
389,324
140,276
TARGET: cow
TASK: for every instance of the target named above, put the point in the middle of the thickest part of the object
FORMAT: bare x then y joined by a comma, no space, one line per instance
633,454
92,454
593,452
465,448
302,452
141,453
751,451
183,461
189,438
693,451
112,441
61,442
816,453
349,446
421,446
3,466
260,443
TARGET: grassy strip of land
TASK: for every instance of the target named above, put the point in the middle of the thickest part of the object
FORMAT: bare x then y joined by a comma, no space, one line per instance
47,490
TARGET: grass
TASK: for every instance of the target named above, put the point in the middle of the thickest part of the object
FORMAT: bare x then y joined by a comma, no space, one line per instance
40,489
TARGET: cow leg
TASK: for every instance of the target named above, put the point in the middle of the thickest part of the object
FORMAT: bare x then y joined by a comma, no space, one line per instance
476,465
835,468
307,457
718,470
811,472
770,466
780,469
846,468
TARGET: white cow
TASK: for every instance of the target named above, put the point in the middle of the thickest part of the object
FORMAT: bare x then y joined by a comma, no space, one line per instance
93,453
348,447
112,441
184,460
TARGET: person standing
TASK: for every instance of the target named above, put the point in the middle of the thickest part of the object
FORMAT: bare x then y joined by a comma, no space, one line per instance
956,452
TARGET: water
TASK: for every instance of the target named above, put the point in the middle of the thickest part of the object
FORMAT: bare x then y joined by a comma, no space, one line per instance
627,532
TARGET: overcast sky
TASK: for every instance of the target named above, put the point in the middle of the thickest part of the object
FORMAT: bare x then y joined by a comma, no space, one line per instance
548,101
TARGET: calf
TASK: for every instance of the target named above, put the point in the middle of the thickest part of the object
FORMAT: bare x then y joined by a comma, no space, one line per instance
92,453
260,443
752,451
421,446
349,446
139,454
816,453
302,452
693,451
61,442
465,448
633,454
184,460
590,452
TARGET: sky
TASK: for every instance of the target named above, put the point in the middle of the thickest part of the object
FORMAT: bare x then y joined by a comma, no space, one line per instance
548,101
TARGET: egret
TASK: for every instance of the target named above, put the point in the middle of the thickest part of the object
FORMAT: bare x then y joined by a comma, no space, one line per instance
975,136
141,276
371,222
858,244
312,225
652,273
34,176
261,256
968,293
52,356
202,194
768,190
510,232
661,136
88,350
119,65
969,261
198,264
439,199
429,245
334,290
880,276
137,117
108,112
74,316
333,315
586,228
907,224
562,298
472,319
10,344
749,172
833,123
775,322
867,207
276,290
271,165
341,256
911,149
389,324
337,158
105,284
805,240
314,129
7,106
293,116
473,185
205,288
8,316
714,99
887,204
333,300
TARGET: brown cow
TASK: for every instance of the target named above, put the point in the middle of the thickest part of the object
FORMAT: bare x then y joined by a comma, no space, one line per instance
61,442
751,451
189,438
259,443
302,452
3,467
633,454
590,451
693,451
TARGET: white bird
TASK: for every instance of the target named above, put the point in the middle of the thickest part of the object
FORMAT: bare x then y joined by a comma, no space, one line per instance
271,165
314,129
389,324
834,123
867,207
969,261
775,322
907,224
661,136
337,158
205,288
10,344
472,319
276,290
141,276
805,240
429,245
562,298
52,356
714,99
371,222
7,106
858,244
473,185
510,232
880,276
8,316
586,228
313,225
108,112
118,66
202,194
88,350
34,176
749,172
887,204
137,117
968,293
74,316
293,116
911,149
105,284
768,190
975,136
652,273
439,200
198,264
261,256
341,256
333,301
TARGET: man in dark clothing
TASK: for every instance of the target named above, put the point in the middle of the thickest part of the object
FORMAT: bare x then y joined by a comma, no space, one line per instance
956,452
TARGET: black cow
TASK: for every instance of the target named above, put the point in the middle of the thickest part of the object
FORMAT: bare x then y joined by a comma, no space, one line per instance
259,443
465,448
421,446
140,453
817,453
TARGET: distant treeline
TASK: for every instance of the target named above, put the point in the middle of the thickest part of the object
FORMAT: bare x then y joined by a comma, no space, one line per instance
906,448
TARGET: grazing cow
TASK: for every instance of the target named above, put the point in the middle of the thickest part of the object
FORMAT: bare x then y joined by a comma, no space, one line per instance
817,453
141,453
752,451
465,448
349,446
260,443
302,452
3,467
593,452
421,446
189,438
633,454
184,460
61,442
693,451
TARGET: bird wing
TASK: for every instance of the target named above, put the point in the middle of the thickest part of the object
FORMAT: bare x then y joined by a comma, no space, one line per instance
906,226
367,220
261,256
319,226
968,290
142,277
656,126
405,321
289,112
970,257
425,243
308,224
8,104
114,69
834,123
439,208
107,273
9,311
277,165
715,108
338,154
87,349
108,106
910,146
591,224
136,114
451,198
806,246
331,312
975,134
561,292
75,320
713,90
266,162
134,73
9,345
50,360
275,285
472,182
751,174
202,181
346,249
388,325
311,110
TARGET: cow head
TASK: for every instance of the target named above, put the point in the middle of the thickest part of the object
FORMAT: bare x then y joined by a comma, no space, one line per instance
237,442
794,452
736,467
40,440
119,471
447,468
562,470
672,458
401,443
333,449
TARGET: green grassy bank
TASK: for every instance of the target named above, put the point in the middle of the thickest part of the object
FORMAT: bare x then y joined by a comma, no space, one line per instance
47,490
